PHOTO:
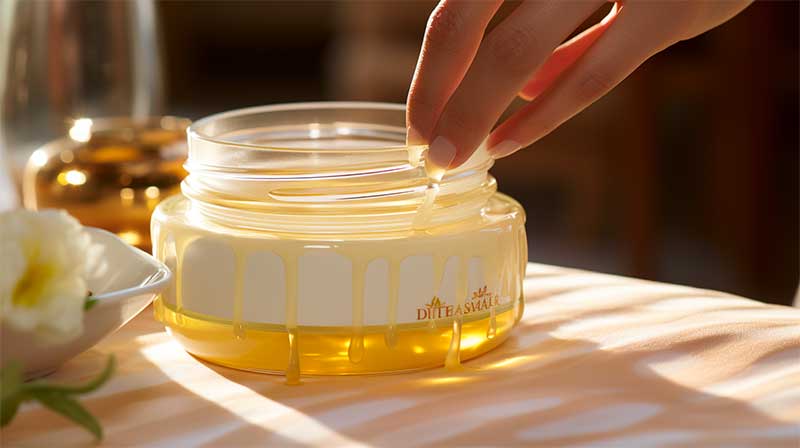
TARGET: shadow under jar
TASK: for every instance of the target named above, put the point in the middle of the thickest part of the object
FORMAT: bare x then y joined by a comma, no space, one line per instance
309,239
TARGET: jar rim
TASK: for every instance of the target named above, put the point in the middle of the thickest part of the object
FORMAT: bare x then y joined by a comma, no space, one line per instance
198,130
302,164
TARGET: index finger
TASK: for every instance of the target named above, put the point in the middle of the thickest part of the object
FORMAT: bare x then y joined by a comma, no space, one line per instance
452,38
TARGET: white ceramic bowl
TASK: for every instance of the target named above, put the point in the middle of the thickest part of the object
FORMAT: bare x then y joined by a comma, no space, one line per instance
132,281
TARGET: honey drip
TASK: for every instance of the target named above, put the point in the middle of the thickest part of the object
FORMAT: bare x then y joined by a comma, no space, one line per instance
180,248
394,291
522,258
160,252
158,311
453,359
491,278
293,367
238,326
491,332
439,262
355,350
504,264
434,174
423,216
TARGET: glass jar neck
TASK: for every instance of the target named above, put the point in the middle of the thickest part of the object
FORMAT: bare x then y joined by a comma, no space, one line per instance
322,168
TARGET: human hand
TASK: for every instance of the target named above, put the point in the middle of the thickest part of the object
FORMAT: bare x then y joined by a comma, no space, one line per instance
465,80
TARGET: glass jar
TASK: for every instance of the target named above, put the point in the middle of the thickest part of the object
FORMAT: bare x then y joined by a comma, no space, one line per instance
110,172
309,239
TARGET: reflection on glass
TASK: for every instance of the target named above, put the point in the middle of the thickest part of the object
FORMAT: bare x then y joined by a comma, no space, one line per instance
62,60
110,173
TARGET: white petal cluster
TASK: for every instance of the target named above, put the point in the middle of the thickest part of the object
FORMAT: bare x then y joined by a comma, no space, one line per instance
44,258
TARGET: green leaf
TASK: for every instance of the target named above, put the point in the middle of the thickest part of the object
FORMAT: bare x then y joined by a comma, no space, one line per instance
89,303
10,378
56,397
80,389
8,408
10,391
70,408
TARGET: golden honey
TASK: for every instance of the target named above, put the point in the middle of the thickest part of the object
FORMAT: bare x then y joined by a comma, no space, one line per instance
309,239
110,172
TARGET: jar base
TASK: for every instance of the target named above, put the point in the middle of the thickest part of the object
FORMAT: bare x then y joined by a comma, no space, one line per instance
326,350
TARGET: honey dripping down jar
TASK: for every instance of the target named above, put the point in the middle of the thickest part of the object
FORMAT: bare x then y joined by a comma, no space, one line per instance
309,239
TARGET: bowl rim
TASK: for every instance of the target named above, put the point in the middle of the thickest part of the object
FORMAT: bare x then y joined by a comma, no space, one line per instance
153,284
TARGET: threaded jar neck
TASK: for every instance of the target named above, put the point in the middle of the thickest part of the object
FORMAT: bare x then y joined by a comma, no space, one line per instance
322,168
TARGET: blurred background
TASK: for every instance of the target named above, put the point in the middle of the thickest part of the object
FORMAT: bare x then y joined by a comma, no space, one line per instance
686,173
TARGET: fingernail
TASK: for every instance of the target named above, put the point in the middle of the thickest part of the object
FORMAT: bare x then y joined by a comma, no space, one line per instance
413,137
504,148
441,152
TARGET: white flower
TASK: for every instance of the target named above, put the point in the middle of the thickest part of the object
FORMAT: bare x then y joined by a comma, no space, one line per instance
44,258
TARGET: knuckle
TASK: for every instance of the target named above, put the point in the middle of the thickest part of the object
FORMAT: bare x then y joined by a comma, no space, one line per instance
514,45
595,83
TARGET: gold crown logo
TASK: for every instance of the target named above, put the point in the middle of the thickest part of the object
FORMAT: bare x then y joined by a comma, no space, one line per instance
435,302
480,293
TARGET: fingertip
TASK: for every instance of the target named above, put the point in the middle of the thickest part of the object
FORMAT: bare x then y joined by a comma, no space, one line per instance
504,148
414,137
441,153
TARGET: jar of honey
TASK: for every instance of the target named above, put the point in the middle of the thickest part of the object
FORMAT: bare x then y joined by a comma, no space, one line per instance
110,172
310,239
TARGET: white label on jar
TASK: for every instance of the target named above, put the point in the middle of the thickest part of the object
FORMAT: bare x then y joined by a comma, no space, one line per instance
325,287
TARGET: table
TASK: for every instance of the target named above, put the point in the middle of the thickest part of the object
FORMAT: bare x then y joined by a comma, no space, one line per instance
597,360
